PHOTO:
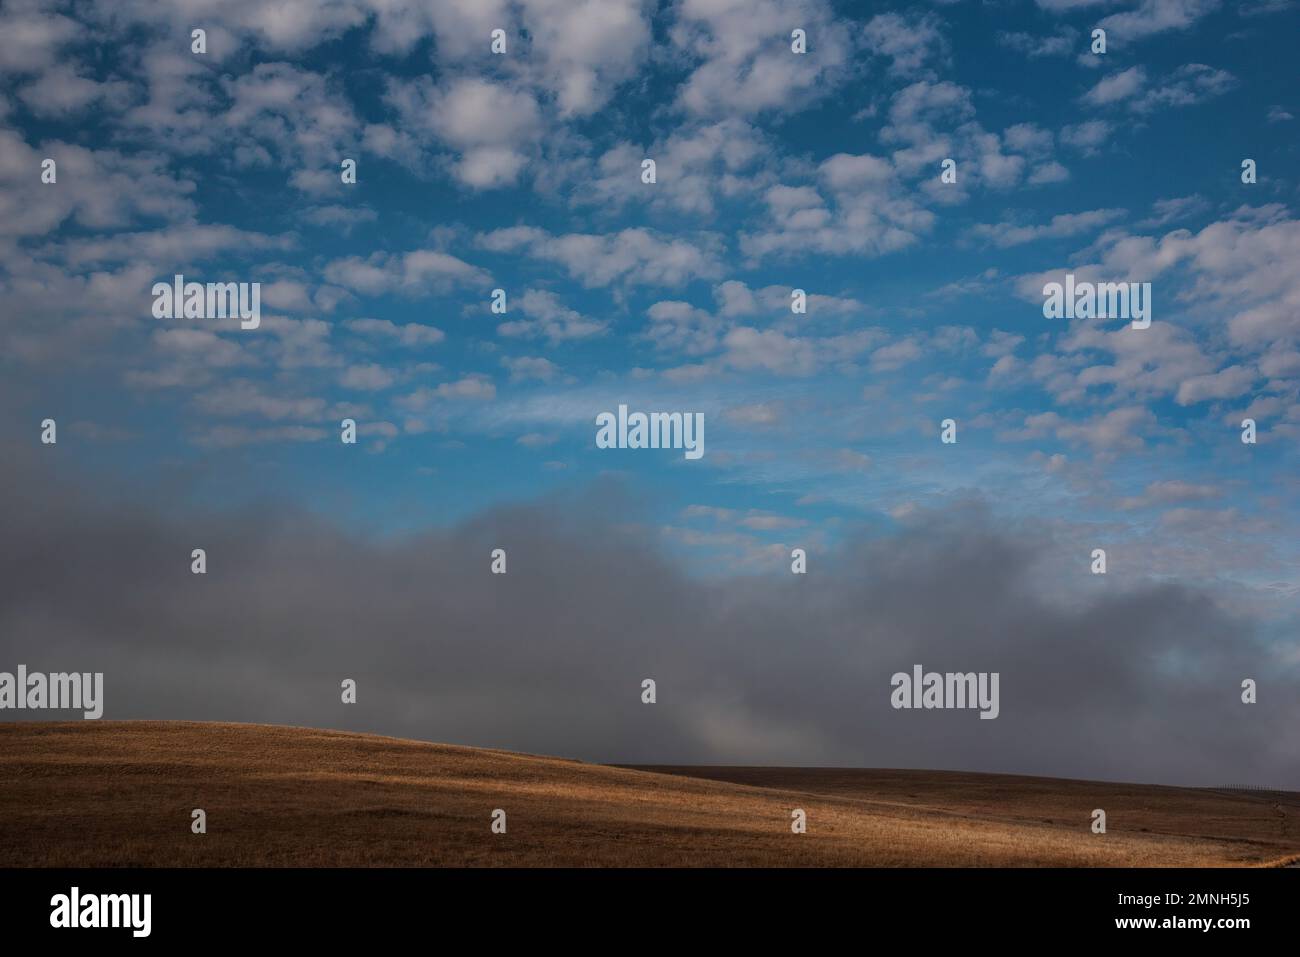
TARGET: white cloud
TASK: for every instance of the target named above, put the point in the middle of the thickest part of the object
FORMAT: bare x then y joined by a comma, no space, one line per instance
412,335
170,246
896,355
368,377
735,298
910,43
1060,43
234,436
860,207
768,350
1117,87
1188,85
933,121
410,274
1170,491
245,398
1166,211
475,387
550,319
1225,384
98,189
1086,137
1106,434
523,368
695,166
1156,16
681,327
1244,265
61,91
582,49
756,415
300,115
342,218
491,126
743,56
634,256
1004,235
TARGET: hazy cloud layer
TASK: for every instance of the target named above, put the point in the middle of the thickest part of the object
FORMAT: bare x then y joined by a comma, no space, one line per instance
1125,681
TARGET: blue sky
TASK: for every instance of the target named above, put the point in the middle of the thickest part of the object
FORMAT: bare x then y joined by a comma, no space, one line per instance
774,171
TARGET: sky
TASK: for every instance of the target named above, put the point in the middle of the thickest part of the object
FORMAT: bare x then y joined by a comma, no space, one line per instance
775,171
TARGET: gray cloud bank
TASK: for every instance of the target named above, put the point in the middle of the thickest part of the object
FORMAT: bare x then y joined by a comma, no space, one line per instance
1138,682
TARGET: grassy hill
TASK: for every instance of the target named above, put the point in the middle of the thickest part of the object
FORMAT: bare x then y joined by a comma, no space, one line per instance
114,793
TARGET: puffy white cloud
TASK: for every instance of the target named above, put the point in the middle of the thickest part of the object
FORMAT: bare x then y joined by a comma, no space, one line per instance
33,38
1087,137
475,387
548,318
860,208
61,91
1117,86
742,59
288,26
412,273
411,335
1156,16
1106,434
1190,84
769,350
1225,384
910,42
1243,264
301,115
695,166
491,126
582,49
367,377
98,189
634,256
681,327
933,121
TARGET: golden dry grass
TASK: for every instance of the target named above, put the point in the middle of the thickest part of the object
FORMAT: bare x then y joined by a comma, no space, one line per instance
120,794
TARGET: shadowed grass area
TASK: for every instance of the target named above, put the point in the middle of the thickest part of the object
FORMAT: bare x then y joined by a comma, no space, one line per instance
114,793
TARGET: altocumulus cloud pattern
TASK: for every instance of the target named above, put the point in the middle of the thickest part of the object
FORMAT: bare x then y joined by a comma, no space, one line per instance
487,360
